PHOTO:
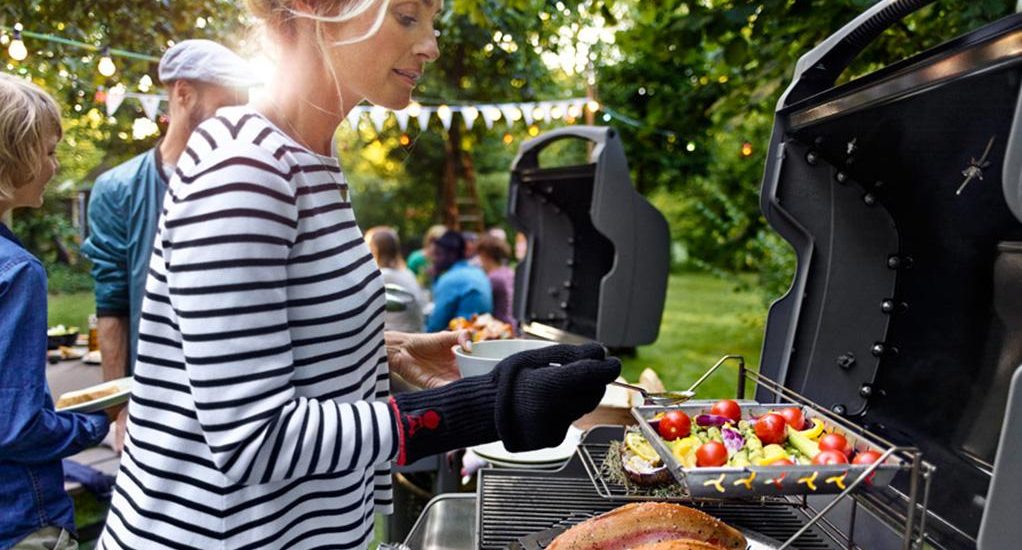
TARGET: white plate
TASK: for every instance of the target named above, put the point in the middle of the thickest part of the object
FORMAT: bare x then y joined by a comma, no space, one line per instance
96,405
497,454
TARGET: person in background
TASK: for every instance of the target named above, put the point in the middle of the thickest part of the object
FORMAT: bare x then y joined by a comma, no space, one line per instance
461,289
35,511
493,256
419,261
386,249
200,77
471,242
261,414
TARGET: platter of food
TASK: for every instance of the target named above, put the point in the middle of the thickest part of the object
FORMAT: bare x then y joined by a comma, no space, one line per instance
96,398
727,449
483,327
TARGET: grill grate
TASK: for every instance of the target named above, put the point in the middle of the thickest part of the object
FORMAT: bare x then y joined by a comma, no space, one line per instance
515,504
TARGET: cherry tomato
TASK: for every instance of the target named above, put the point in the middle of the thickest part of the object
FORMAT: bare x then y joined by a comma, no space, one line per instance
866,457
793,416
727,408
674,424
783,462
713,453
835,442
770,428
830,457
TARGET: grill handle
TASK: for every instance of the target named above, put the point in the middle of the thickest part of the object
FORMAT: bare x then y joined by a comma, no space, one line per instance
818,69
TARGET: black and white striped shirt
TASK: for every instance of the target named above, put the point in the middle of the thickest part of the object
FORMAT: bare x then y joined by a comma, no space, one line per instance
259,415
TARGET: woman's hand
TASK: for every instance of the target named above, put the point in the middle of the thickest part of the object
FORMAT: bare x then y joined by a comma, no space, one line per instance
426,360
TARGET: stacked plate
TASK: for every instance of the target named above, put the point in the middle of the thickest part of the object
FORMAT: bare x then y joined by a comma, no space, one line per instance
550,458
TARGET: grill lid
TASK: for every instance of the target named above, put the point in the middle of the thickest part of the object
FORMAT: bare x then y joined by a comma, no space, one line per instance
598,251
901,193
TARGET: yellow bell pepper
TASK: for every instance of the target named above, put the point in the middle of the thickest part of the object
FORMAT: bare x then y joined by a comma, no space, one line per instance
815,432
771,453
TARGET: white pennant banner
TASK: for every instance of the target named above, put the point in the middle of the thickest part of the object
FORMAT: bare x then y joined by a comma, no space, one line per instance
151,105
424,118
446,115
469,115
378,115
402,119
354,115
113,102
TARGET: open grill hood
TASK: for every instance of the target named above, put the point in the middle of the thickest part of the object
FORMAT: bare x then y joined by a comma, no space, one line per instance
901,193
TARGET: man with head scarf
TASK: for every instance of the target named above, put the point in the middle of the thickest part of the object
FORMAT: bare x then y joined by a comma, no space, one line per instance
461,289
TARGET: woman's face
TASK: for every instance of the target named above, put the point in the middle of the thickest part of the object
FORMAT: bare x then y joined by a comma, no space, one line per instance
385,67
31,193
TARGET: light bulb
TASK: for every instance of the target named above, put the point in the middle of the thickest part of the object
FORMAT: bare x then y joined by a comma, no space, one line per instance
17,49
106,65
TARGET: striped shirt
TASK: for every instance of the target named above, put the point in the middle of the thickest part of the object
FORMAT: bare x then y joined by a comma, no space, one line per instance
258,416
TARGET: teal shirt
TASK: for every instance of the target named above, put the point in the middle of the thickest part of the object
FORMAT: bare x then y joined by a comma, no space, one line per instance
462,291
124,210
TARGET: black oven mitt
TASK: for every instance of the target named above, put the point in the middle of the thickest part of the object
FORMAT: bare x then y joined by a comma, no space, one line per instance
527,401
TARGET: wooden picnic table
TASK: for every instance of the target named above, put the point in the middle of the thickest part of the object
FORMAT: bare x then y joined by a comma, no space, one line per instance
73,375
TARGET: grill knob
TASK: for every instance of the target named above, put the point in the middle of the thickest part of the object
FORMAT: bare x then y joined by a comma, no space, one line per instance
846,360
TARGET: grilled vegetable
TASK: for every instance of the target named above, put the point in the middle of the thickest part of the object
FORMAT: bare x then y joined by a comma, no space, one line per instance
806,446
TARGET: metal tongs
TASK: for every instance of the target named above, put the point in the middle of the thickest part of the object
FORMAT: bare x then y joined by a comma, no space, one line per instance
676,397
658,398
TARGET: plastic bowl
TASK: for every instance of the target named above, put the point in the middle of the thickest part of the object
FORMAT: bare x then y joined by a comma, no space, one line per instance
486,354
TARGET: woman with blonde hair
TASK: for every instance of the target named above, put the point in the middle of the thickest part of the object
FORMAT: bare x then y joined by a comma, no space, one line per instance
35,511
260,414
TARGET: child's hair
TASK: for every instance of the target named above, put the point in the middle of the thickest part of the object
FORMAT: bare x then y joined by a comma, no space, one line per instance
27,116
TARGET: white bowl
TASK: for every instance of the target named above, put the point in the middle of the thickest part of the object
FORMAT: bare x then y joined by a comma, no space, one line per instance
486,354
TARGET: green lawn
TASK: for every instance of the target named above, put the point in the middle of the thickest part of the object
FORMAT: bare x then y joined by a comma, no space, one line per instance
71,309
704,319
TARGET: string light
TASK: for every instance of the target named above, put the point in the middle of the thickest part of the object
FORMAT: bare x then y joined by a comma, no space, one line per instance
533,130
746,149
404,140
106,65
17,49
593,105
508,138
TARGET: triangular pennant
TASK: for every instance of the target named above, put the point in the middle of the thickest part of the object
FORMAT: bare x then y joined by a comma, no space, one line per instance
469,115
510,112
378,115
354,115
424,118
113,101
402,119
445,115
527,109
490,114
151,105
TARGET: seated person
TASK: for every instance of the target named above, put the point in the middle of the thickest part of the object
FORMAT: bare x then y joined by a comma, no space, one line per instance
461,289
386,248
419,261
35,511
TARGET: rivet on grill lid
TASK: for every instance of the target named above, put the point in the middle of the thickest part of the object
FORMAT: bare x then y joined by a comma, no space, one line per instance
846,360
839,409
878,349
866,391
870,199
564,305
570,262
811,158
567,284
818,141
851,147
893,262
841,177
887,306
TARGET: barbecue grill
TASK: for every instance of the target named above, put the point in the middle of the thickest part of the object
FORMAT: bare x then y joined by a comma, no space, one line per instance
901,193
599,253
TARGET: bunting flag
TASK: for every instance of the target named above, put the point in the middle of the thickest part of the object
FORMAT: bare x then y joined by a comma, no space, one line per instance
151,106
512,113
150,102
